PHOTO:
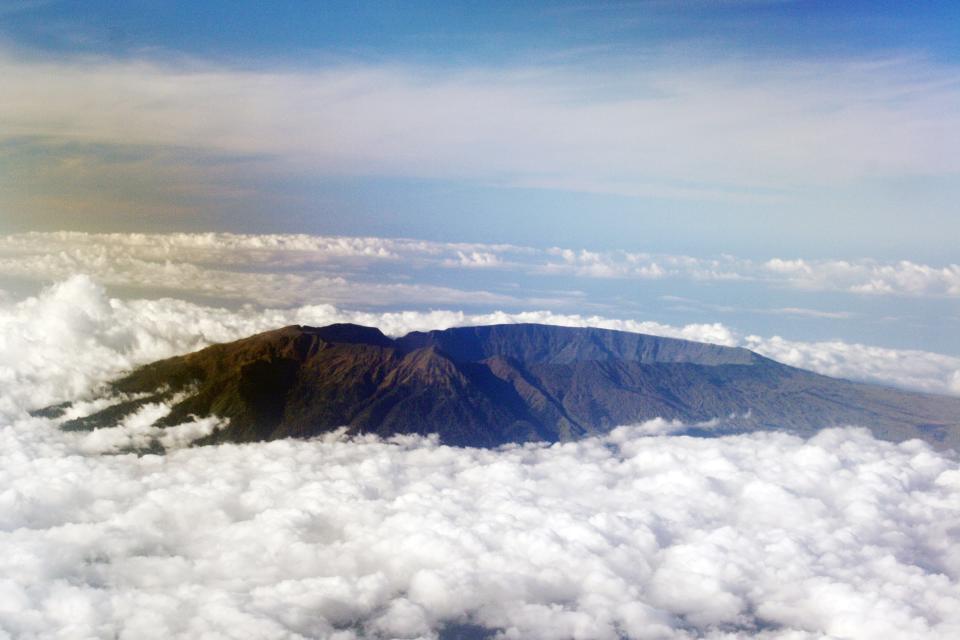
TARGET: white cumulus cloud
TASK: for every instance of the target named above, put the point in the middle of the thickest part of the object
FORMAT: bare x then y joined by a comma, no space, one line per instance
631,535
624,536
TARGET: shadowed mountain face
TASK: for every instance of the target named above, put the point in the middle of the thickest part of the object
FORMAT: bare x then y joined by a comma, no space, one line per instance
484,386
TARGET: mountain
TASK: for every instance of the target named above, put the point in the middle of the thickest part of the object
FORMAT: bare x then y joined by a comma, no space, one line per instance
485,386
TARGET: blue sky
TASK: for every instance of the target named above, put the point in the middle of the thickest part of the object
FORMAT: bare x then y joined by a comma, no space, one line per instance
764,130
463,32
597,54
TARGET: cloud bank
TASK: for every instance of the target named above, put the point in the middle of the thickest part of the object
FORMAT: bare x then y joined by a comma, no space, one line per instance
735,129
280,270
632,535
624,536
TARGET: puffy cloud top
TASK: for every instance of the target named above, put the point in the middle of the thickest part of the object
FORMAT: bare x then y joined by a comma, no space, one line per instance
631,535
618,537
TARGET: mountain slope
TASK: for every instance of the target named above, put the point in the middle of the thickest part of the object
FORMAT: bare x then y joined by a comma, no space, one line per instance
485,386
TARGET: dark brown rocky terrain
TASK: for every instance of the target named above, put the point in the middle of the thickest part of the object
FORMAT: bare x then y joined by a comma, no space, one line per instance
485,386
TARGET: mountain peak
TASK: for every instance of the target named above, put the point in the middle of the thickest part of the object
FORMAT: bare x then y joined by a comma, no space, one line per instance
348,333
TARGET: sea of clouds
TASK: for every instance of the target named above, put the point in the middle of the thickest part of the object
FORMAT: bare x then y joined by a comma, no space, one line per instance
636,534
289,269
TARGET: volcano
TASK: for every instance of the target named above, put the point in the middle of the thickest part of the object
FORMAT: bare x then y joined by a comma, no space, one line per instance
492,385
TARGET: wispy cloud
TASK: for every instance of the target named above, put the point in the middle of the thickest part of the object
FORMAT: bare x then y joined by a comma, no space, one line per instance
735,129
11,7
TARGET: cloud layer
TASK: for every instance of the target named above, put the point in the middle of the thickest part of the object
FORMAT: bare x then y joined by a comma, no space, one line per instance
296,269
621,537
725,129
632,535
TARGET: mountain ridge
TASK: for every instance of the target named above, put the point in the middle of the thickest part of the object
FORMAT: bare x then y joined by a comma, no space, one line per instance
496,384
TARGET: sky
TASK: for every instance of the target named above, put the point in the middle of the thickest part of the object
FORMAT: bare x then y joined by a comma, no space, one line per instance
771,174
816,136
804,129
